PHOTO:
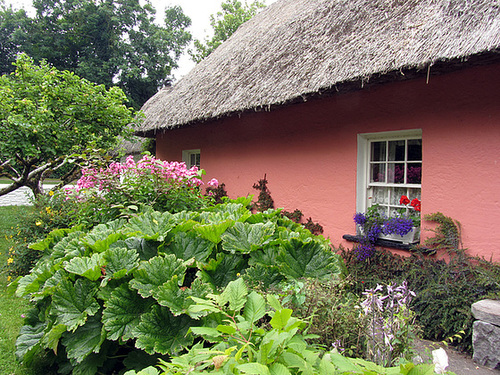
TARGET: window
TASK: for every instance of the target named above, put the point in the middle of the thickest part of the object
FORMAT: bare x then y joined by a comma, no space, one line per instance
389,165
191,158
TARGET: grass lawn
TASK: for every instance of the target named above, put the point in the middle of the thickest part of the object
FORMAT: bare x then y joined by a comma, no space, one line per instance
11,307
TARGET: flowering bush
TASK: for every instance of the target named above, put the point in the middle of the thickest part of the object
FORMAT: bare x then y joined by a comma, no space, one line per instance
373,224
391,323
106,193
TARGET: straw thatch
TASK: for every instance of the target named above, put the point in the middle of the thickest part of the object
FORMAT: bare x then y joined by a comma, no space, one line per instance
297,48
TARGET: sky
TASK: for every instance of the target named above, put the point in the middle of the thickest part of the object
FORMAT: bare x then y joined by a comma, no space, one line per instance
198,10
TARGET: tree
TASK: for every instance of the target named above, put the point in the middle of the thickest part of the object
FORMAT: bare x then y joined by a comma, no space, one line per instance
110,42
46,114
11,24
224,24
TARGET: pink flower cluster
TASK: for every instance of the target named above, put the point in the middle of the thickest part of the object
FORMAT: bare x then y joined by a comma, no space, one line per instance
104,179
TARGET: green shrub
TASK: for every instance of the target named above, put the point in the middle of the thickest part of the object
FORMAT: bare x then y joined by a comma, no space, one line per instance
119,294
105,193
246,333
444,290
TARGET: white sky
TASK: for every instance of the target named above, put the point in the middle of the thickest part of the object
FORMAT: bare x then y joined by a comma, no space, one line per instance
198,10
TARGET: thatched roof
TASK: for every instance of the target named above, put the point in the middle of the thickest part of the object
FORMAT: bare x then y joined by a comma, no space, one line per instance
297,48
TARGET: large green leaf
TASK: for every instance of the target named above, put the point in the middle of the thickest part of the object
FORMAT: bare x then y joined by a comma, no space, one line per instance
103,235
150,225
255,307
188,245
145,249
150,275
245,237
253,368
213,232
85,340
307,259
120,261
122,312
177,298
263,276
69,247
161,332
89,267
29,341
223,269
53,238
235,293
73,303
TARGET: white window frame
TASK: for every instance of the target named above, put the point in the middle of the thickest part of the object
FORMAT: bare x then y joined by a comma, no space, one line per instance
363,163
187,154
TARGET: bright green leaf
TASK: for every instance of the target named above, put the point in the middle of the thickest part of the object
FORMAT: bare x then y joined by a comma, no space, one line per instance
73,303
245,237
235,293
150,275
122,312
85,340
280,318
178,299
89,267
253,368
255,307
185,246
160,332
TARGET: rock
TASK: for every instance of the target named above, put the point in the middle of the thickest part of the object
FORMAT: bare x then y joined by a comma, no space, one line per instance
487,310
486,344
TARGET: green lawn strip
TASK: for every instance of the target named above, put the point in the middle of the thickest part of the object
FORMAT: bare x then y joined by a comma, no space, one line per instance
11,307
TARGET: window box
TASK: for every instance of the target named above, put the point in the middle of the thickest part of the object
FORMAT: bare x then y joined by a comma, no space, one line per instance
411,238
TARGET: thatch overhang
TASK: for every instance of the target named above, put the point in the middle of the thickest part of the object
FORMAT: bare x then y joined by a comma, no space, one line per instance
297,49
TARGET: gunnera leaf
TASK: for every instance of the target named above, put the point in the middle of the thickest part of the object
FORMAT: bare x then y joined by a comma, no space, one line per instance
213,232
103,235
223,269
29,340
120,261
158,270
245,237
145,249
122,312
150,225
177,298
307,259
73,303
161,332
85,340
187,245
89,267
235,293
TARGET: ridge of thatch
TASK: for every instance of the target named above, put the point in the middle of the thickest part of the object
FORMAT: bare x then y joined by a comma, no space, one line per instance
297,48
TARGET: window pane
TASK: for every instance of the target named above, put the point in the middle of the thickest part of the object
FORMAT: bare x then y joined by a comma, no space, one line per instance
379,195
415,150
377,173
414,173
397,150
396,194
378,151
396,173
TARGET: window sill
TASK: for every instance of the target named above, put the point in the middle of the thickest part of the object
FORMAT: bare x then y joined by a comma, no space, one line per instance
393,245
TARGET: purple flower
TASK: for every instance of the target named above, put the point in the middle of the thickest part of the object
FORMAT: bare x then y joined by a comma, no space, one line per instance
374,233
360,218
398,225
364,251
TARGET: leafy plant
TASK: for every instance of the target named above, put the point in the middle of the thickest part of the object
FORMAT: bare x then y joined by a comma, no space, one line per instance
245,333
444,290
47,115
124,289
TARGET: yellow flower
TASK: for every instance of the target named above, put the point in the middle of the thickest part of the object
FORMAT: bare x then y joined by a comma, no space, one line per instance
10,260
51,193
38,223
47,209
9,278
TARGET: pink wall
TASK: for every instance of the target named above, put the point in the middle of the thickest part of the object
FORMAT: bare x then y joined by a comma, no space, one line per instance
309,151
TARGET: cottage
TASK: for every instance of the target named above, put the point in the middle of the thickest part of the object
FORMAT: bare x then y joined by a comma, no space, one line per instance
343,104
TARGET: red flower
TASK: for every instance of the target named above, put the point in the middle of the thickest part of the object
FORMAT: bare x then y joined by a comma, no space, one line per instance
404,200
416,204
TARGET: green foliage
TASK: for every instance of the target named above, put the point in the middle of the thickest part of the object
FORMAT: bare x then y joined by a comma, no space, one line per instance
46,115
333,312
246,333
444,290
12,22
129,287
111,43
447,234
224,24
